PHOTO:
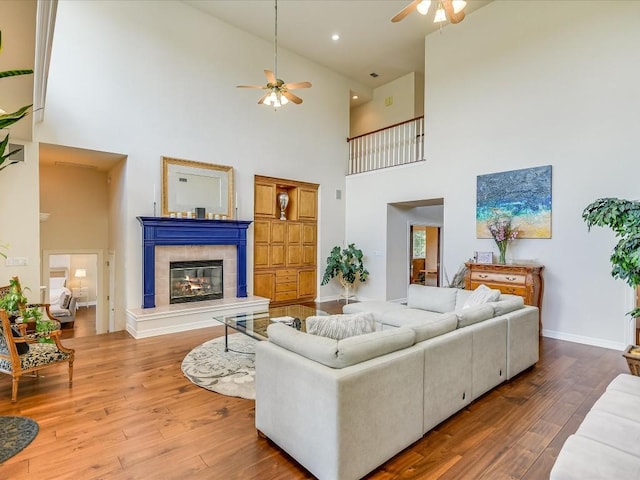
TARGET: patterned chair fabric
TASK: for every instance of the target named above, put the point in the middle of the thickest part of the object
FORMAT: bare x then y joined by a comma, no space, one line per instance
39,355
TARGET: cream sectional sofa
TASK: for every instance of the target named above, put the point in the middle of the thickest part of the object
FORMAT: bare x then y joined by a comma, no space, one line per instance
605,446
343,407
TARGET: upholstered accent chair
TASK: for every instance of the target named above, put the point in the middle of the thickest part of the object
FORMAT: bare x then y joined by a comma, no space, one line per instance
22,353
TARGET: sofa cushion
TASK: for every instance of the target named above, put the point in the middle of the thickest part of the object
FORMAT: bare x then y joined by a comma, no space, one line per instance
470,315
377,307
583,458
626,383
481,295
434,327
340,353
507,305
341,326
406,316
434,299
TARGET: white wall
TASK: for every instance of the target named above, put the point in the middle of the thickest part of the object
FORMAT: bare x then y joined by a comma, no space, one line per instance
154,78
517,85
406,95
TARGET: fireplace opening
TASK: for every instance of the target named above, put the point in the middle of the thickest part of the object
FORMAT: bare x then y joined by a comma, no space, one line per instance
195,281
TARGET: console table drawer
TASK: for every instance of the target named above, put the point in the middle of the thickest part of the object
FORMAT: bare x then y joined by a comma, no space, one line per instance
519,290
491,277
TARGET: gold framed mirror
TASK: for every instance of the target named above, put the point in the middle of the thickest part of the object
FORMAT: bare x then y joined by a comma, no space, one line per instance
189,185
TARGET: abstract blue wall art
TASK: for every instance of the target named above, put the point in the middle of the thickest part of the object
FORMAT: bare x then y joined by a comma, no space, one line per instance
524,194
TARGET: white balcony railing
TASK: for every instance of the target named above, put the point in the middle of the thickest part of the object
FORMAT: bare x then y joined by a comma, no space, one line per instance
388,147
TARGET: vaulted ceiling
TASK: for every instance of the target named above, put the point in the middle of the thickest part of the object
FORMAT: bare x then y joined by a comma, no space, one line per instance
369,42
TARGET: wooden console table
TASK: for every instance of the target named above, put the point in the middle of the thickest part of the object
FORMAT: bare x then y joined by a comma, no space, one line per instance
524,280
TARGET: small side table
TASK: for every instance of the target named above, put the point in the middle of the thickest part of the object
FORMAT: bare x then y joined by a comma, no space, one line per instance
81,293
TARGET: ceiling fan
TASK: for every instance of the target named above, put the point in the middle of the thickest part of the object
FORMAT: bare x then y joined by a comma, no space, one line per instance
447,10
278,93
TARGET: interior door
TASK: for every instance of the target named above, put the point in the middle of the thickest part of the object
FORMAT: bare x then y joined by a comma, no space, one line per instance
424,262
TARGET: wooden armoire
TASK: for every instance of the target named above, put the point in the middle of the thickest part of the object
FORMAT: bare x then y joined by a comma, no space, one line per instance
284,251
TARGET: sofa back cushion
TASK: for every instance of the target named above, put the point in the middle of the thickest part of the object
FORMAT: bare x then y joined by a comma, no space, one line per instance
342,325
506,304
434,327
434,299
340,353
477,313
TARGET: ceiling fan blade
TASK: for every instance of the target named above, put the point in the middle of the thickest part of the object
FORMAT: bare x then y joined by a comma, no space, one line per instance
263,98
406,11
294,98
451,15
271,78
293,86
251,86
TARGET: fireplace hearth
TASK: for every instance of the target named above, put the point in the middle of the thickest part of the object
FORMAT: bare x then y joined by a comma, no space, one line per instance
195,281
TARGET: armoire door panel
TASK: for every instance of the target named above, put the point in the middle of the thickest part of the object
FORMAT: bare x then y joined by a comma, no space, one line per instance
307,283
309,233
262,231
294,255
261,256
277,255
309,255
264,203
294,232
278,231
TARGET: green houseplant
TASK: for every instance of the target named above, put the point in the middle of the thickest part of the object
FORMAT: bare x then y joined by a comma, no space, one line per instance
14,299
623,217
8,119
347,265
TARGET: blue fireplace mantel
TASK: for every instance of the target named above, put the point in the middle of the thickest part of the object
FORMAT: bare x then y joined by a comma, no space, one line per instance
189,231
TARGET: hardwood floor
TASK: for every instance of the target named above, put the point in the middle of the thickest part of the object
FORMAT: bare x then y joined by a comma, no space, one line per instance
84,325
131,414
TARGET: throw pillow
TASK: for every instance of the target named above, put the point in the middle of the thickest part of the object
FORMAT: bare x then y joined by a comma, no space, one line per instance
21,347
341,326
66,301
482,295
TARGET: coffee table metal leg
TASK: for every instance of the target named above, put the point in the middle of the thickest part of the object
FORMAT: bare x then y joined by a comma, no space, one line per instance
226,338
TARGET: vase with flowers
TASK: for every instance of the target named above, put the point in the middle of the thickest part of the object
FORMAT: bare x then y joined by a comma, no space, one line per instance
503,232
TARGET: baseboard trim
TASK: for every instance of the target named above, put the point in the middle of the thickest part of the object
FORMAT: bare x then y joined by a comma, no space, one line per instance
595,342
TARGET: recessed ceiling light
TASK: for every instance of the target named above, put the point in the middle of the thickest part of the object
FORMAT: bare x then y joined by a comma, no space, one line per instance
355,97
335,37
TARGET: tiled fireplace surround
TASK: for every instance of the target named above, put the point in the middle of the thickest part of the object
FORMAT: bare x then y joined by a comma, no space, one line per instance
167,240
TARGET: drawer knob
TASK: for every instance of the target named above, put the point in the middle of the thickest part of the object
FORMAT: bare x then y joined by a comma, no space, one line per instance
482,275
512,279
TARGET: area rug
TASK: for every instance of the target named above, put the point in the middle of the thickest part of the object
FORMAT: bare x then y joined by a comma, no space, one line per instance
15,434
229,373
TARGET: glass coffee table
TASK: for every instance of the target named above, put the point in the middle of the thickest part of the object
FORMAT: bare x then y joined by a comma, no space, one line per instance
255,324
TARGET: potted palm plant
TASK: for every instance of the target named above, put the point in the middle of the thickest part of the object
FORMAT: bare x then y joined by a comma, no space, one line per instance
347,265
623,217
8,119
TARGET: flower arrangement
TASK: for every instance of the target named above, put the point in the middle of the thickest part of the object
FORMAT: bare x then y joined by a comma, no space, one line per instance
503,232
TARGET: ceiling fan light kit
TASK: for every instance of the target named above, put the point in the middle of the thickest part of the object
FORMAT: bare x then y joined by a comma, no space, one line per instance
451,10
278,93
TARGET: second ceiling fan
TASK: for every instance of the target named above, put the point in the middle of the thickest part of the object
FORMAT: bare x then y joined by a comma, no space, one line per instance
451,10
278,93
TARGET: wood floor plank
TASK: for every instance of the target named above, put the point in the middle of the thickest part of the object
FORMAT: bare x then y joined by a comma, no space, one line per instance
131,414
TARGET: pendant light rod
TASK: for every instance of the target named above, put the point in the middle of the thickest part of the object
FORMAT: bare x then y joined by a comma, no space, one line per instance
275,43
